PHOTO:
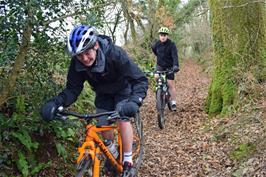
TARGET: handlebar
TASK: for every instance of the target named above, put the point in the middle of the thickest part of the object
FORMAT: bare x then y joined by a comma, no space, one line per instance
152,73
63,114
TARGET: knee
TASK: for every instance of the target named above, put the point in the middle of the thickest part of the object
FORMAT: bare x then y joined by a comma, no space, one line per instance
123,124
171,84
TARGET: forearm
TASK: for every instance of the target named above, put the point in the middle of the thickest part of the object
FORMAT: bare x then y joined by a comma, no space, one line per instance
139,89
69,96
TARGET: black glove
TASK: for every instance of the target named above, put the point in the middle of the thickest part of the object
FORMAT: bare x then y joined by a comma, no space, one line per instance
175,69
48,110
136,99
127,108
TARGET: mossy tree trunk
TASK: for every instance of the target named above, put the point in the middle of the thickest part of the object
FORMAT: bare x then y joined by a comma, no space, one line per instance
126,7
238,29
19,61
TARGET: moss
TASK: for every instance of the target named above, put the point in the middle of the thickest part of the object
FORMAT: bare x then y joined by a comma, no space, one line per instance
228,94
214,101
208,101
243,151
237,47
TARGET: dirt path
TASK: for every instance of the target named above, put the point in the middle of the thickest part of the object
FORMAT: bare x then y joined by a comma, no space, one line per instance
182,148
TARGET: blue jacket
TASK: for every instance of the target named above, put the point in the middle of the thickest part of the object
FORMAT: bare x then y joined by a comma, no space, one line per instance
113,71
166,53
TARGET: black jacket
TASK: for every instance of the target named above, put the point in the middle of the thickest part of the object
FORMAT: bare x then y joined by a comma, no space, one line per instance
166,53
112,72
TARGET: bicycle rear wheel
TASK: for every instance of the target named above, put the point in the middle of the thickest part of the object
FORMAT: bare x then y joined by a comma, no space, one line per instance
85,167
160,105
138,141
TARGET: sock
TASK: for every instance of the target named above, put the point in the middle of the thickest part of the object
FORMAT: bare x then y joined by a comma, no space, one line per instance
127,156
173,102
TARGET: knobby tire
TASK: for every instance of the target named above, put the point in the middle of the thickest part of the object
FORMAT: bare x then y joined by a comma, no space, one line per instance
86,167
138,140
160,105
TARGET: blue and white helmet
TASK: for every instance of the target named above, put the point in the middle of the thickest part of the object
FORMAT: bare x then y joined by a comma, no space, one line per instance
81,38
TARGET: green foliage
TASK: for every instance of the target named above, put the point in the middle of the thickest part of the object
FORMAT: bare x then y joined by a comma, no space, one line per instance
22,164
48,28
170,5
25,139
85,101
28,169
20,104
243,151
185,14
65,133
40,167
61,150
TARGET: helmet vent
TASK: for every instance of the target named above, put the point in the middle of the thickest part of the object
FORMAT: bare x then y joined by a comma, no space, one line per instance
86,41
70,42
77,43
84,32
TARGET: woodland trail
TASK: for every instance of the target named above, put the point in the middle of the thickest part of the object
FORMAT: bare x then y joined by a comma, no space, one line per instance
183,148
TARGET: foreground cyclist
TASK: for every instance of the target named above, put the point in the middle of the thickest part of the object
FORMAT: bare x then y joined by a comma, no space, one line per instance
167,58
117,81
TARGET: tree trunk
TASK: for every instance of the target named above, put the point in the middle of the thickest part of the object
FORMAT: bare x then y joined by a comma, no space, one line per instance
238,29
125,34
19,61
126,11
152,21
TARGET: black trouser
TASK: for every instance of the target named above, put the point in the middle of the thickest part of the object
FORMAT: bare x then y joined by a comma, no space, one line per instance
170,76
108,102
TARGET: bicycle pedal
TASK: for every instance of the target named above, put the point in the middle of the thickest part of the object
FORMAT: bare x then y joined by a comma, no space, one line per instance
131,173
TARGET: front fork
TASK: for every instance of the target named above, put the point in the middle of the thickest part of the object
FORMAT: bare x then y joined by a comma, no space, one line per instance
88,148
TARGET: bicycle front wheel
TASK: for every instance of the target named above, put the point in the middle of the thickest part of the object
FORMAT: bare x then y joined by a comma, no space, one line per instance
138,141
85,167
160,105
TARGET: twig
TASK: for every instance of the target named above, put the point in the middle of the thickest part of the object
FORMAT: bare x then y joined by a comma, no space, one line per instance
242,5
202,12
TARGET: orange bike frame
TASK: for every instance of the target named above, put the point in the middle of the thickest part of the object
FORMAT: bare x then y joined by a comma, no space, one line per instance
89,147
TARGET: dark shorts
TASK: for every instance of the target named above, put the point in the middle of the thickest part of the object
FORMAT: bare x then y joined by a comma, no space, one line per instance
108,102
168,76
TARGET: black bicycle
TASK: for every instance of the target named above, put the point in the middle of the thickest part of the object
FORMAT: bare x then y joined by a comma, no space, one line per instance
162,94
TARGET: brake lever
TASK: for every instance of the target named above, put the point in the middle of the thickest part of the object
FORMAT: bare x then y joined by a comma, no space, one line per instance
61,117
113,116
125,118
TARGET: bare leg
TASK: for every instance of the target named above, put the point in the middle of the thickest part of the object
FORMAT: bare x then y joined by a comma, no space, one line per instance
127,136
172,90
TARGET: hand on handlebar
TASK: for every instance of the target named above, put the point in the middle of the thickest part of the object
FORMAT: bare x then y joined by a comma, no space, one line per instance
175,69
48,110
127,108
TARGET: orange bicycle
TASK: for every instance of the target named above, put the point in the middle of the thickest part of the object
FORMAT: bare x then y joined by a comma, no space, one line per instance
93,153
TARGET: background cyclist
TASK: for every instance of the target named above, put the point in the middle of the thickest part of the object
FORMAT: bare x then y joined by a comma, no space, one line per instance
167,58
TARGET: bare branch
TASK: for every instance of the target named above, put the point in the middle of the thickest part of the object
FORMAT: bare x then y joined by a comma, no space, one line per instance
242,5
202,12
